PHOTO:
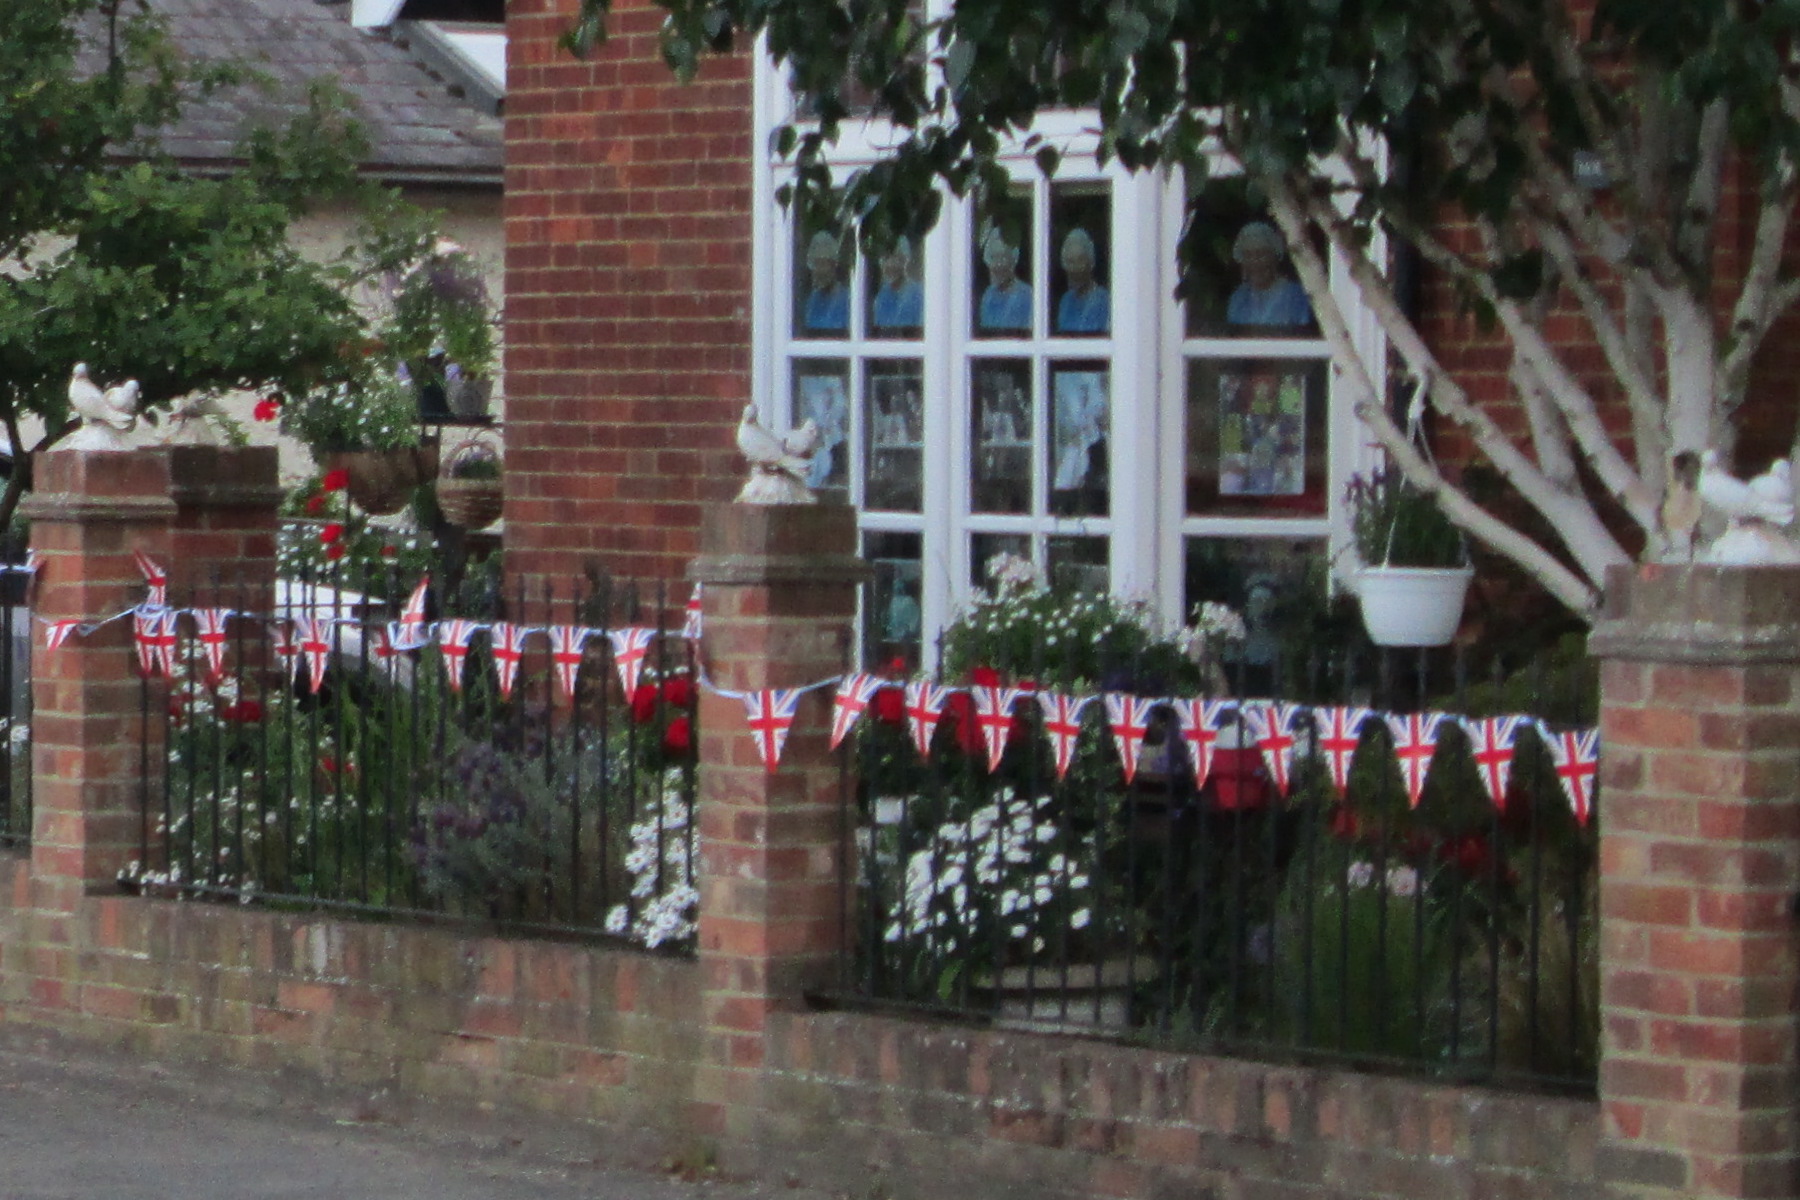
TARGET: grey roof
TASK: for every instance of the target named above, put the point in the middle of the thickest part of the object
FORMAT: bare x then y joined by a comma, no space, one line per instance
419,129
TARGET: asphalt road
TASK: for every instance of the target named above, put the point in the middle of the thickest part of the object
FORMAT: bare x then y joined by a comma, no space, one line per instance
82,1124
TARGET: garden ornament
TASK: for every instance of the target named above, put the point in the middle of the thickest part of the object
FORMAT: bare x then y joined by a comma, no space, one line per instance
778,465
106,416
1759,512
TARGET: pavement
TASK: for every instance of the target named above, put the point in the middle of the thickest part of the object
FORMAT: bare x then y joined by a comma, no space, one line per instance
81,1123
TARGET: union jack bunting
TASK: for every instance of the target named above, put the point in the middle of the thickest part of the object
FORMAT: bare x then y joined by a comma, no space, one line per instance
312,635
690,625
1577,755
155,577
1491,743
34,561
453,640
924,707
287,651
1200,721
1129,719
630,648
408,633
1273,727
143,635
771,714
382,649
1062,721
993,715
1415,743
852,700
1340,728
57,632
209,624
507,642
565,655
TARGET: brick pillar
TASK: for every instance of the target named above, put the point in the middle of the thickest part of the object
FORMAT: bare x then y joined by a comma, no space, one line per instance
780,594
201,512
1700,859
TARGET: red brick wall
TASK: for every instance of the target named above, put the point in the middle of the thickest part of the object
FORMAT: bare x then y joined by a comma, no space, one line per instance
628,293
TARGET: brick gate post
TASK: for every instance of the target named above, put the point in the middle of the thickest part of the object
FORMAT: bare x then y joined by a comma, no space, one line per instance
202,512
1700,861
780,593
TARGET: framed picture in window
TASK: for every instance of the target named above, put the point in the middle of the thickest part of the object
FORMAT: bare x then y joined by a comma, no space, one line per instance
1237,279
822,396
1256,437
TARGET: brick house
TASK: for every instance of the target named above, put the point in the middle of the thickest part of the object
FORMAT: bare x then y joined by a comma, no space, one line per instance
1176,450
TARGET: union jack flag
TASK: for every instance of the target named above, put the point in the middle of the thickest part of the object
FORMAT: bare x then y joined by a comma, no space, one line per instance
993,714
771,714
508,644
143,636
155,577
383,650
1129,719
924,707
852,700
210,626
313,636
453,641
1062,721
408,633
1200,721
1273,727
1340,729
1491,742
57,632
1415,743
630,646
565,655
690,626
1577,755
287,651
34,561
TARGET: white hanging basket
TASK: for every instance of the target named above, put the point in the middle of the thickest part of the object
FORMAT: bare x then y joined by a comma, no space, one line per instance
1412,606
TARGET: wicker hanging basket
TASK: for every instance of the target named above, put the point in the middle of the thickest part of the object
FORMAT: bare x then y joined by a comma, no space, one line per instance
381,481
469,491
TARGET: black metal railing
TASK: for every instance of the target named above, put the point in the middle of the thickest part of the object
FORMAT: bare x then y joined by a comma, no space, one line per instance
1436,931
330,765
15,718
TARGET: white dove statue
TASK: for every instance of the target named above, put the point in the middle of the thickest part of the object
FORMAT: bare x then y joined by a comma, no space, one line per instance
1757,500
106,416
777,465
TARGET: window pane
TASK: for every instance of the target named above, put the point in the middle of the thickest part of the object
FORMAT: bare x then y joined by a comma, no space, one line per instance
1081,260
1002,256
891,623
1238,281
1078,564
894,421
896,295
821,395
984,548
1256,441
823,256
1080,421
1001,417
1275,583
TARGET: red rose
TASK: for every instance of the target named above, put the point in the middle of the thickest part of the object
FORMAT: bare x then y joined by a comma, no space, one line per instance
889,705
643,703
267,409
896,666
984,677
1344,825
331,533
678,738
334,552
389,551
315,503
335,480
1469,854
678,691
244,712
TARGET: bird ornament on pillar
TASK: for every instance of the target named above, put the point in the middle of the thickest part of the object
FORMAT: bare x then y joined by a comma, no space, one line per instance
106,415
1759,514
778,463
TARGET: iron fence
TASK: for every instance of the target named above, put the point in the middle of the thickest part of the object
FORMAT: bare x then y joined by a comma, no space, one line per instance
1275,907
525,759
